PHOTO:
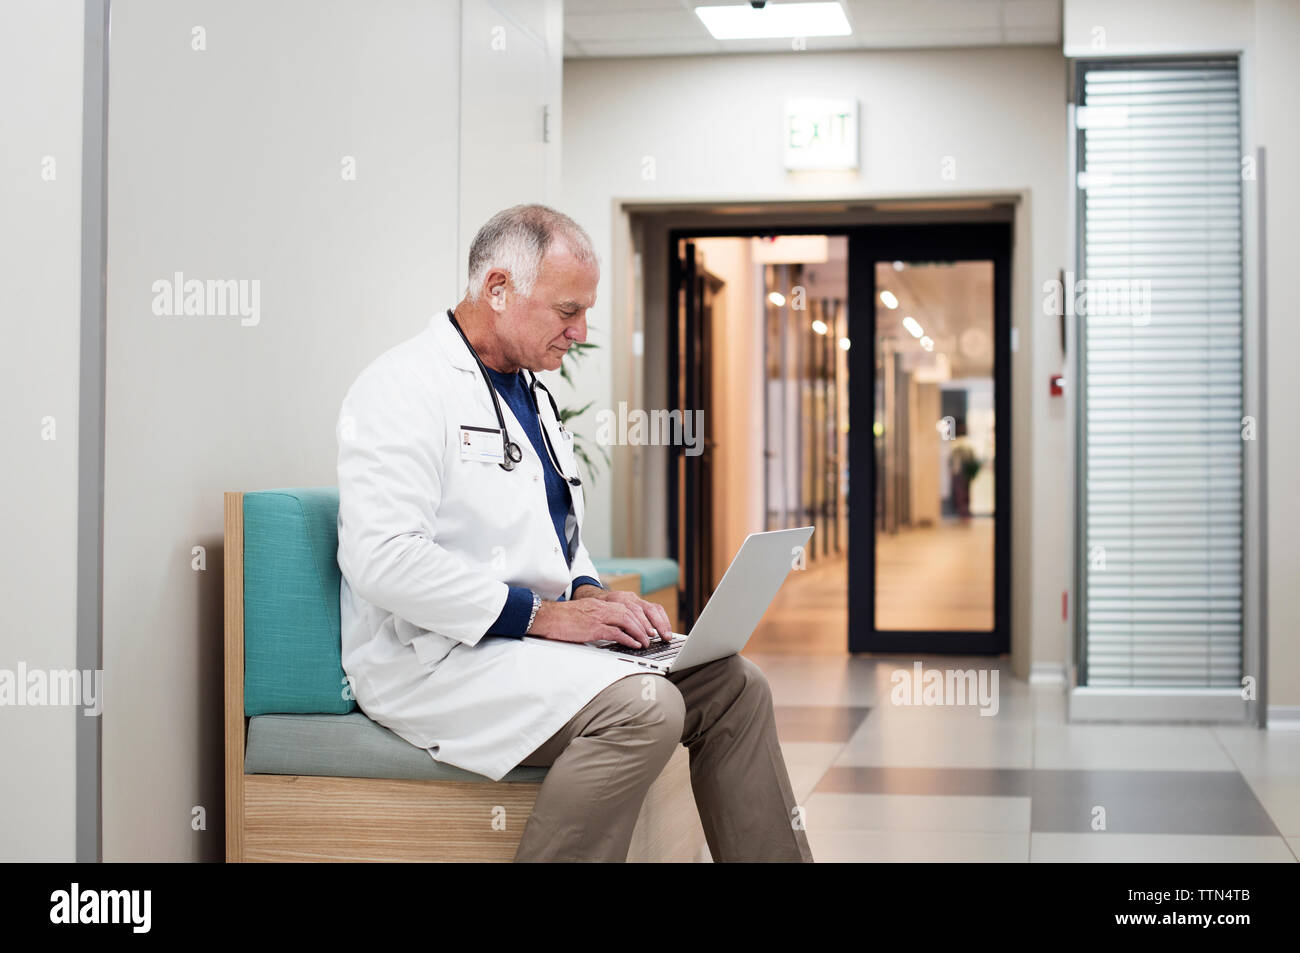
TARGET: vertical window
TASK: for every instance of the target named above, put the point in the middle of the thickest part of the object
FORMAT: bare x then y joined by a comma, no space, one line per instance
1158,309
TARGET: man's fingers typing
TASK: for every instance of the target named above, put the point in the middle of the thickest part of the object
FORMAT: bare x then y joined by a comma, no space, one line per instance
634,623
615,634
658,619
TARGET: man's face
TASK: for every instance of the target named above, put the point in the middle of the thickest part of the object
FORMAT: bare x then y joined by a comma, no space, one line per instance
536,330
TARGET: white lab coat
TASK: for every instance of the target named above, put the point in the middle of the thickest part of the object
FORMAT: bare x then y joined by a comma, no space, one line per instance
427,545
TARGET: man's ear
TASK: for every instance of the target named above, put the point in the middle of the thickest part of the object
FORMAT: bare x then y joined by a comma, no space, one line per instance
496,294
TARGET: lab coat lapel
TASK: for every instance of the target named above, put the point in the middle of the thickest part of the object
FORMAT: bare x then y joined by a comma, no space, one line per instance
450,343
458,354
562,442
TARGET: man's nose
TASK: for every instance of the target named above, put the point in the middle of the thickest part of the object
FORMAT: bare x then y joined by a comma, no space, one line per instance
577,332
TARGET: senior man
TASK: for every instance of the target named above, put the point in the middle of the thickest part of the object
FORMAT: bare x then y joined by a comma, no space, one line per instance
460,518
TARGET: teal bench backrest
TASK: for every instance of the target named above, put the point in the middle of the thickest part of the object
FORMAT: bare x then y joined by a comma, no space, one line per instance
655,573
292,646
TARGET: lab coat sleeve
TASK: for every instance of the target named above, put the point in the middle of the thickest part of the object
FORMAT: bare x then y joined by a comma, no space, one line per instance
391,433
514,618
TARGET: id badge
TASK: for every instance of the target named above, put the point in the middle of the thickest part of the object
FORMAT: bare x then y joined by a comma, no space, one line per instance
481,444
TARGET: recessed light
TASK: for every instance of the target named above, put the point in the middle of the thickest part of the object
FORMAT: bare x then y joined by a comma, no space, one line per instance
777,299
888,300
819,326
913,327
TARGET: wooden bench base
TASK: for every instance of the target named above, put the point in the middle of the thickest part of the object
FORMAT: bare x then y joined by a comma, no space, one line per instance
297,818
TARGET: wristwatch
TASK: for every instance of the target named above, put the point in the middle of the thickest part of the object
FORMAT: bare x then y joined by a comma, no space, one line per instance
537,604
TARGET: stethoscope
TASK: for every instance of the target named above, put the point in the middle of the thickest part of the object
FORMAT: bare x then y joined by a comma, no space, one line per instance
511,449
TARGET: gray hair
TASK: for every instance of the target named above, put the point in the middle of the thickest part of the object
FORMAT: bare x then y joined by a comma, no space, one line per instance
516,240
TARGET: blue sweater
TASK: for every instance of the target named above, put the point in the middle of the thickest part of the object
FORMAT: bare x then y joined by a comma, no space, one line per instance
513,620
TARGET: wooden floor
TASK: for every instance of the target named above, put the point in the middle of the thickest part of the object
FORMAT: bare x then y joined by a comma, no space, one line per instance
809,615
940,578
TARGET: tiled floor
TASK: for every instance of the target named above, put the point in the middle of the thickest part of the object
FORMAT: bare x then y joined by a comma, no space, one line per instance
886,782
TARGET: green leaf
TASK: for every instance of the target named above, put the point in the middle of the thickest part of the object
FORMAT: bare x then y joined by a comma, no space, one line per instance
577,352
580,445
568,413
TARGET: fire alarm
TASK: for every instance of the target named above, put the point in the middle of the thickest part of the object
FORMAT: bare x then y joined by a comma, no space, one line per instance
1058,385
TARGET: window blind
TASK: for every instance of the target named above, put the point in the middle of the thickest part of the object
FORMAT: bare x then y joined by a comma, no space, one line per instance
1160,317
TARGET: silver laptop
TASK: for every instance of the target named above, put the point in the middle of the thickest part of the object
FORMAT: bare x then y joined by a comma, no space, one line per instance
747,588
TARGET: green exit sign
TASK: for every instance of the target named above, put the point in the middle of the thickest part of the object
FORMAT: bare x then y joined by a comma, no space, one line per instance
821,134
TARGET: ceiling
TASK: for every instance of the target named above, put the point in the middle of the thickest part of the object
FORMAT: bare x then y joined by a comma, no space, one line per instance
953,303
605,28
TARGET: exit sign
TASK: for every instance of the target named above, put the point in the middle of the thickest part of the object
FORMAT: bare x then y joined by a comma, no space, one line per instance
821,134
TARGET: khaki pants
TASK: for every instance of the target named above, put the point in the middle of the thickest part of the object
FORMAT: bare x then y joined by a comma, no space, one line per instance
605,759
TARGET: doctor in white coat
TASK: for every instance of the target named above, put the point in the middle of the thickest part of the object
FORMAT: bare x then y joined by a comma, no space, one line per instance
458,535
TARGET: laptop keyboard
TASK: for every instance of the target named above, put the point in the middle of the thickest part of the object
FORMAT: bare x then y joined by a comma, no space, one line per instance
657,649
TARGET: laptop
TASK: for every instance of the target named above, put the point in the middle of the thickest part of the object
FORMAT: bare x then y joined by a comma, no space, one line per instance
747,588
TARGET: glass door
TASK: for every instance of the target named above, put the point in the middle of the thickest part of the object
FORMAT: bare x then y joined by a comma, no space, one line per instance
930,321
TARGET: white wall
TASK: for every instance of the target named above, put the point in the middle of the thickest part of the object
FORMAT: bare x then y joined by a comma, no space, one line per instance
1155,27
1276,76
510,75
713,128
40,303
227,163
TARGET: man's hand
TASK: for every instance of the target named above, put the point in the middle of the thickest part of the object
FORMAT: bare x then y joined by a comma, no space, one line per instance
595,614
655,616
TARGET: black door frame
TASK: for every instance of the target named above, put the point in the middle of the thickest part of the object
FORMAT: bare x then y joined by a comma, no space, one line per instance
868,244
691,376
958,242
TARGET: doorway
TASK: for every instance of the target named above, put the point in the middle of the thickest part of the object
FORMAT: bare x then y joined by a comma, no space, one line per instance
839,390
929,558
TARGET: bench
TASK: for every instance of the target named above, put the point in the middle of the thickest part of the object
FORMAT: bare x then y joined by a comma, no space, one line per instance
309,777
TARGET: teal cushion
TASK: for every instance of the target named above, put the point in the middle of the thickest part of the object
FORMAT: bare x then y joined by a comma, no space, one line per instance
349,746
292,646
655,573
